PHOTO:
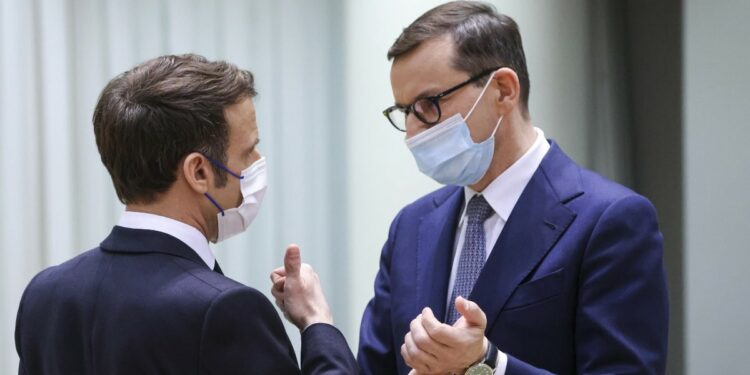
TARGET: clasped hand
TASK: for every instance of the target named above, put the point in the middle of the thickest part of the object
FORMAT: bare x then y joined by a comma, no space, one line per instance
432,347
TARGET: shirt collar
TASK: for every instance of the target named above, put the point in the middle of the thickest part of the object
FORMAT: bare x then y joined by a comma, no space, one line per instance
177,229
505,190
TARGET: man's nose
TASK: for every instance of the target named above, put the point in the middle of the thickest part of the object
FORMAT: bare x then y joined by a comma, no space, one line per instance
414,126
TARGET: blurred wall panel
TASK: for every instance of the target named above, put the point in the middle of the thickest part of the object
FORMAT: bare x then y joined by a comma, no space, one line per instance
717,181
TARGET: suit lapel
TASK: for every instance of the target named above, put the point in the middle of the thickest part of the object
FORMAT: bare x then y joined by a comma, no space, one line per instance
435,242
538,220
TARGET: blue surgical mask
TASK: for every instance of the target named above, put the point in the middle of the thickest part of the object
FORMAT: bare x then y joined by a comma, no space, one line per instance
447,154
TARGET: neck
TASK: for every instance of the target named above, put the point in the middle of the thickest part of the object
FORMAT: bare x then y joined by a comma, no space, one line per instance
510,144
170,207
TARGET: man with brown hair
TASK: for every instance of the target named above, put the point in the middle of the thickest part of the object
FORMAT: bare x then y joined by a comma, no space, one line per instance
525,263
179,138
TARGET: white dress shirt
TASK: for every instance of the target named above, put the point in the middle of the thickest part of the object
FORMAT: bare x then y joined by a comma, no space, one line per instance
501,194
177,229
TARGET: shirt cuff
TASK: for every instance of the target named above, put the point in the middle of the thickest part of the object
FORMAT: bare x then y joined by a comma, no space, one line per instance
502,363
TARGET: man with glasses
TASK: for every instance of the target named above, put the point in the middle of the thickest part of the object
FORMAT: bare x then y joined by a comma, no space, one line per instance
525,263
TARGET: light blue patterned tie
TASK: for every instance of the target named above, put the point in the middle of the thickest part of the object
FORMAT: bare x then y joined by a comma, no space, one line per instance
473,254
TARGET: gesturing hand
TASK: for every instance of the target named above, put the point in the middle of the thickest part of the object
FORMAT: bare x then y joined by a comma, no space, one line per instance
296,288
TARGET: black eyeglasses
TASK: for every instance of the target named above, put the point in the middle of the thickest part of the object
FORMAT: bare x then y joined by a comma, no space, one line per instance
426,109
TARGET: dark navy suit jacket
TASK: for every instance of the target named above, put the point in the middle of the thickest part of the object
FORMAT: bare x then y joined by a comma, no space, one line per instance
574,285
145,303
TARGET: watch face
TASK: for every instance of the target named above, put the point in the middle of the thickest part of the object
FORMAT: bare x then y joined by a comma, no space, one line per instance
480,369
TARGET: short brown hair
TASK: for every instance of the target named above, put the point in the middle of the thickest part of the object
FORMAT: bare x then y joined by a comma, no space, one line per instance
149,118
484,39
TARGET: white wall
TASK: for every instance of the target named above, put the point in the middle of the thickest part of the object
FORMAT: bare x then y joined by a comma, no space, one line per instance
382,176
717,182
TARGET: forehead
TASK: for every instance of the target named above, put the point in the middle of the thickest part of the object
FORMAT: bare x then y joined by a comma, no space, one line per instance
240,119
426,69
243,129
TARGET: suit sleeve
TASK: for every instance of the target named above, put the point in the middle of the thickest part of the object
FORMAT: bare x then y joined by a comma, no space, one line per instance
517,367
21,366
623,309
17,335
243,334
376,352
325,351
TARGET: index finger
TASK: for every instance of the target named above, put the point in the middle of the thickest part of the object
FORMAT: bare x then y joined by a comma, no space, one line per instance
279,284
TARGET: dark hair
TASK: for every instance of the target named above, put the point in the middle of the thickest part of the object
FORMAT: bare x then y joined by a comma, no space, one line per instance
483,37
152,116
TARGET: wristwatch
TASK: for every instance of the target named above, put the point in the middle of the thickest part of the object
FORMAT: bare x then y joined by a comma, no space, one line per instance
487,366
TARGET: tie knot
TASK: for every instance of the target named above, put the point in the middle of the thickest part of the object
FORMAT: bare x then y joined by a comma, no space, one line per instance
478,210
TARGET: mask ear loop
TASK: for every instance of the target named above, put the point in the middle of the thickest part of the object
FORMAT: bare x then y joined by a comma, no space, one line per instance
497,126
215,203
222,166
486,85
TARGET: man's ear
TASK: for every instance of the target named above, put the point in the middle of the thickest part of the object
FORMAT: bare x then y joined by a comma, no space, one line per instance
508,88
198,173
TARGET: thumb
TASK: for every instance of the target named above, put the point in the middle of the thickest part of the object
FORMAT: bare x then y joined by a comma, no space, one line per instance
471,312
292,260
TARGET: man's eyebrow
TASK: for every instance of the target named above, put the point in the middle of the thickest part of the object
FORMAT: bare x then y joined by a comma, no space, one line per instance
425,93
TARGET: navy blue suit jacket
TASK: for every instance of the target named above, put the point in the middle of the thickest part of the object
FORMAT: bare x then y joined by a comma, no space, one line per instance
145,303
574,285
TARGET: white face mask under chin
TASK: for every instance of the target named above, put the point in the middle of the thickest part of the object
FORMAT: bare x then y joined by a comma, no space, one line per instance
253,184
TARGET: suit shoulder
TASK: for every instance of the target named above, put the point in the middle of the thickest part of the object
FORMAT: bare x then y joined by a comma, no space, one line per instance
604,190
206,276
246,293
53,274
245,299
429,200
570,180
216,287
60,281
602,194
